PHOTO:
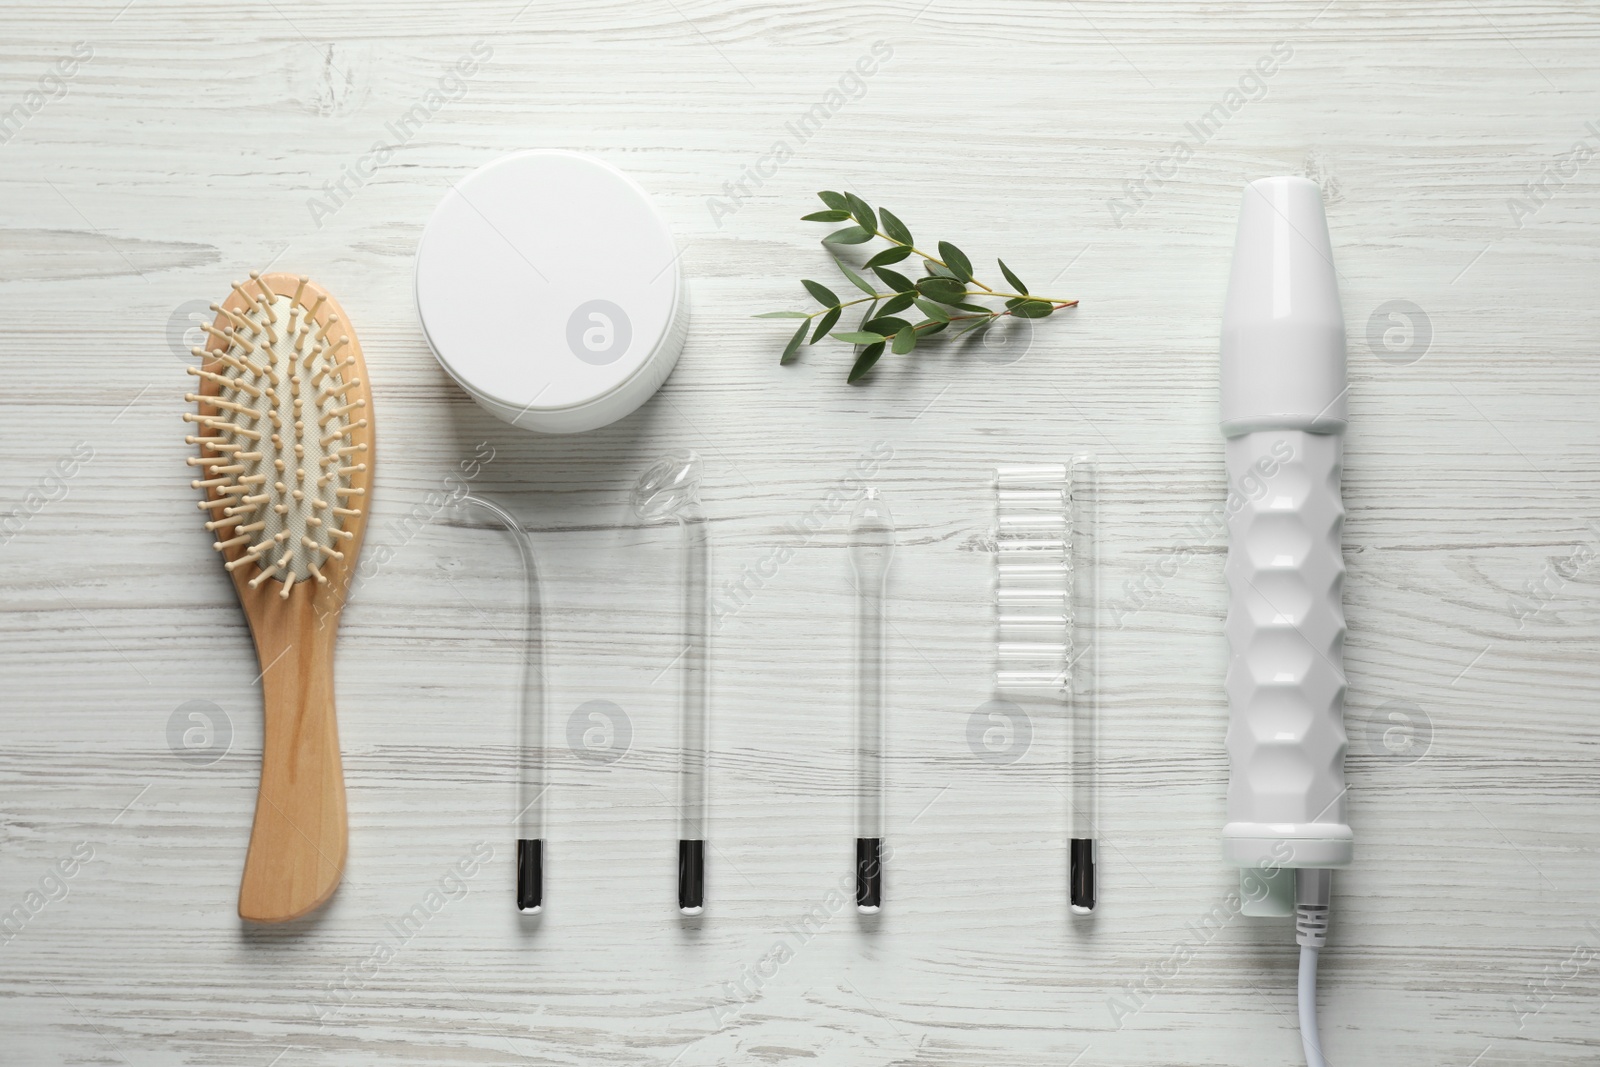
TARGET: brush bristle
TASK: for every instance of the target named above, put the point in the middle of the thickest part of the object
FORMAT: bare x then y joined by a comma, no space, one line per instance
277,455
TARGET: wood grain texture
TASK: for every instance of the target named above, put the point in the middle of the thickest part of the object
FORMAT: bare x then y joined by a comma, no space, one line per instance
189,149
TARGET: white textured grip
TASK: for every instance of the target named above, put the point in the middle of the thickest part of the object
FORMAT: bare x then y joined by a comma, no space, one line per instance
1285,629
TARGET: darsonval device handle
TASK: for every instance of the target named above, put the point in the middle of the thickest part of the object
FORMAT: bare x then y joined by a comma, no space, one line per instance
1284,414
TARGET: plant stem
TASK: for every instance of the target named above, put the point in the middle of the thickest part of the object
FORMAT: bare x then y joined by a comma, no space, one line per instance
1024,296
934,259
1058,305
986,290
851,303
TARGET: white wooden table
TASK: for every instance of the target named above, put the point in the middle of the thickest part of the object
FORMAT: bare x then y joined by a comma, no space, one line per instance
187,147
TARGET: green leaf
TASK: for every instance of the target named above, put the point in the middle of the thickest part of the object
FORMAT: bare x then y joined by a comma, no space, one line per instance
937,327
956,260
864,362
834,200
850,235
888,256
793,347
942,290
895,280
905,340
781,315
863,214
885,326
827,323
824,295
1033,309
859,337
1014,301
855,279
895,228
933,311
937,270
898,302
825,216
976,309
1016,282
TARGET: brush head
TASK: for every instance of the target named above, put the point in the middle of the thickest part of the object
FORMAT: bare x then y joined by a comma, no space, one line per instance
284,430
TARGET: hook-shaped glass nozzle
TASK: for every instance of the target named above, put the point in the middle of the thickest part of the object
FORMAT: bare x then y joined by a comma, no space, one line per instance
532,784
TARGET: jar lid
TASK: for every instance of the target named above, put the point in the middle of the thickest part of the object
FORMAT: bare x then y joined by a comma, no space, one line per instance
548,287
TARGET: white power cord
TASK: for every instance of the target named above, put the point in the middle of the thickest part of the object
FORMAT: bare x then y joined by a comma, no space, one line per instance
1313,888
1308,1008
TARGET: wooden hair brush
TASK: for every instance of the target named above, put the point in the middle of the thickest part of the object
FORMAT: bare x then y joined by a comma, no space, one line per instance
284,426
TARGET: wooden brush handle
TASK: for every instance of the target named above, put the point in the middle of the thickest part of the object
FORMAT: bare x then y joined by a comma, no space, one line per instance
297,845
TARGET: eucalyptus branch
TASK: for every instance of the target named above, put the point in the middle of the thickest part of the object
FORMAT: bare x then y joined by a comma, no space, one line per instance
943,296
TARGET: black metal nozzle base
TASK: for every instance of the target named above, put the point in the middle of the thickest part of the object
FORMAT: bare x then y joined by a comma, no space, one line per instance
691,877
869,873
530,875
1080,877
